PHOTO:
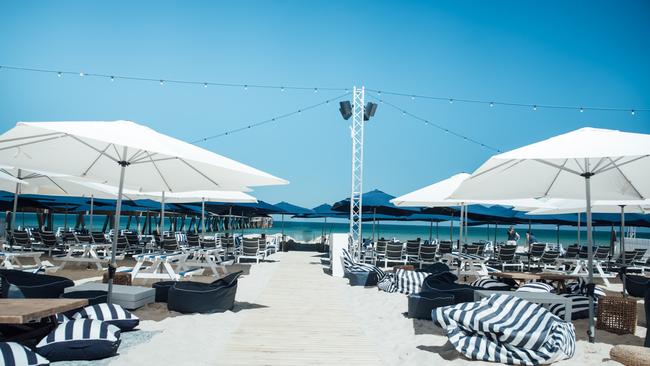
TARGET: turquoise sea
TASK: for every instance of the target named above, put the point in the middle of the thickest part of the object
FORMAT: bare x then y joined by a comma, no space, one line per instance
307,230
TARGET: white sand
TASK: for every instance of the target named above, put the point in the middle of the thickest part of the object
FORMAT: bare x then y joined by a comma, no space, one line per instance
201,339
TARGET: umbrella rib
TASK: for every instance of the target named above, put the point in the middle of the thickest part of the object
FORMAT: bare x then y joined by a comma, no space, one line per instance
103,152
612,164
152,160
159,172
30,137
140,151
201,173
557,166
31,142
627,180
555,178
95,161
51,180
141,158
578,164
491,169
595,168
117,153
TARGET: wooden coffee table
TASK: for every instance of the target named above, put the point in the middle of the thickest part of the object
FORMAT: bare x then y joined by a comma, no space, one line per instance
28,320
523,277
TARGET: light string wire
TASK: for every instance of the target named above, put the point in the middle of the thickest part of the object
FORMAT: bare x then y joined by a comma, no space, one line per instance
163,81
205,83
493,103
272,119
434,124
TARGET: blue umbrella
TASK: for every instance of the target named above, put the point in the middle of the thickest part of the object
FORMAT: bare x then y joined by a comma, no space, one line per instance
290,209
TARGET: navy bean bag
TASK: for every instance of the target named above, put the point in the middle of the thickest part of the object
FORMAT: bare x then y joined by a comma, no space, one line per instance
162,290
636,285
421,304
434,268
37,286
362,278
110,313
461,293
204,298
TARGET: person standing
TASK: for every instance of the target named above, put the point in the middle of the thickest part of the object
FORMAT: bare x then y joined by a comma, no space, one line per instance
513,236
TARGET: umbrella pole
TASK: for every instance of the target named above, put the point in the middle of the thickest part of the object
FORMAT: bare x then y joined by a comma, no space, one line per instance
162,216
13,214
622,241
557,234
579,219
460,226
92,208
590,264
451,230
374,216
203,217
430,231
118,209
437,231
283,228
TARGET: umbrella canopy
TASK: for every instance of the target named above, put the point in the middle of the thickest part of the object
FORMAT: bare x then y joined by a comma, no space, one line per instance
587,164
618,164
198,196
290,209
434,195
375,201
95,150
600,206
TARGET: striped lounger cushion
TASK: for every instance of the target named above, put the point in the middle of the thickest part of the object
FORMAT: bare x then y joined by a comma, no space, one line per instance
506,329
388,283
83,339
536,287
490,284
351,266
580,287
579,307
409,282
110,313
15,354
60,318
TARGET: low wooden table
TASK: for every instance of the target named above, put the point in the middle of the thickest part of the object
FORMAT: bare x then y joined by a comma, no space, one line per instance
23,311
523,277
29,320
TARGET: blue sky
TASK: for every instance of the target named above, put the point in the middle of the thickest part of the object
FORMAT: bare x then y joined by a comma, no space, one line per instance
581,53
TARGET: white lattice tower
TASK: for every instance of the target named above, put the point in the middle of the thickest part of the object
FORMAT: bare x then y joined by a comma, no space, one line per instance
356,203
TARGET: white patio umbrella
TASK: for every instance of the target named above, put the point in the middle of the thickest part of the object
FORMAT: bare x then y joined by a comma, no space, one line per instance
587,164
102,151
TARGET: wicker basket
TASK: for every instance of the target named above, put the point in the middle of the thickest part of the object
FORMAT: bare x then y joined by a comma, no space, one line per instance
121,278
616,314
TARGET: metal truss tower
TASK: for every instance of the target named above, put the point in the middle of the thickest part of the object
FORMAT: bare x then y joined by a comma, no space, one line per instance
356,203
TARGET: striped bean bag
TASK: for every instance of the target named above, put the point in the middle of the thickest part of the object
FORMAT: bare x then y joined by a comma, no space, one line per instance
349,265
580,287
409,282
579,307
15,354
536,287
83,339
388,283
110,313
507,329
490,284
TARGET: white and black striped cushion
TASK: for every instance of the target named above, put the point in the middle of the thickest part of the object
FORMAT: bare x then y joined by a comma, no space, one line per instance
409,282
580,287
490,284
61,318
387,284
536,287
579,307
110,313
506,329
82,339
349,265
15,354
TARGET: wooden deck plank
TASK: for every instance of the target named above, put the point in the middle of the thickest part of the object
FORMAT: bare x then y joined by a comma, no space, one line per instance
305,321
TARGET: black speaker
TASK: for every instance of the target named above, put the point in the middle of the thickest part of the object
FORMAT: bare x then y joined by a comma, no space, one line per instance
346,109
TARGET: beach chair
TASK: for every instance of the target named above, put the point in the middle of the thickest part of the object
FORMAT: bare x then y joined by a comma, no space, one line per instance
506,257
444,248
549,260
250,250
262,247
379,253
68,237
99,238
394,254
471,249
20,240
83,238
134,243
49,241
193,241
169,244
228,244
412,250
427,255
481,248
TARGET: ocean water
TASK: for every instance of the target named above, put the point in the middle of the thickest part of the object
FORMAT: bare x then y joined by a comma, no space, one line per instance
309,230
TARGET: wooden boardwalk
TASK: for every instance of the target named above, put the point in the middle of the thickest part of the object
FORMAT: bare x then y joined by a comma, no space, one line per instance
305,321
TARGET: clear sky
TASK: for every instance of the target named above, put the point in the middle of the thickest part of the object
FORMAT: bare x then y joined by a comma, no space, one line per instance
580,53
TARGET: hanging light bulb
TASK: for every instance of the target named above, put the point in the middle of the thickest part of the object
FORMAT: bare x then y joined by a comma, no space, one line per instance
282,88
491,104
58,74
112,78
582,109
245,87
315,90
412,97
451,101
205,85
403,113
632,112
534,107
162,82
81,74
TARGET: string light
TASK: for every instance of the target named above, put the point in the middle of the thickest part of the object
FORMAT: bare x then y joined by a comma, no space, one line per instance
435,125
632,112
58,74
534,106
582,110
270,120
82,74
491,104
162,82
315,90
112,78
205,85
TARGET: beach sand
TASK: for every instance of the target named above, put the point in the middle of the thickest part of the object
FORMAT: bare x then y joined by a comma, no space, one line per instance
380,320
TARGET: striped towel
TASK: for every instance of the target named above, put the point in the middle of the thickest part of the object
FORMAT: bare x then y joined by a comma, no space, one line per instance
506,329
350,265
